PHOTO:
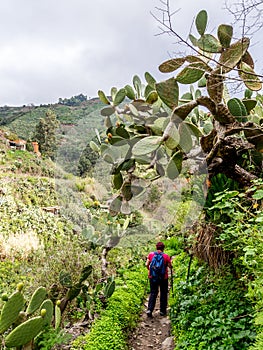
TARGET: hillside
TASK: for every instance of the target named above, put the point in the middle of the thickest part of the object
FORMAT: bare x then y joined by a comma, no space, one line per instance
22,120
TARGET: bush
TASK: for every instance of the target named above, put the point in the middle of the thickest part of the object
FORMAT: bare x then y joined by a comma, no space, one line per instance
121,315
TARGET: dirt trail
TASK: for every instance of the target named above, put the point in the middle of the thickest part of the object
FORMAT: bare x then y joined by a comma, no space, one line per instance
152,333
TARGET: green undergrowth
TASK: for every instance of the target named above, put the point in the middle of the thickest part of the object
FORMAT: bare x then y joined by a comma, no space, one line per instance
209,310
110,331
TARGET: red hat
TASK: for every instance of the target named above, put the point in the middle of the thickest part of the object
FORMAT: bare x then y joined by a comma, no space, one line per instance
160,246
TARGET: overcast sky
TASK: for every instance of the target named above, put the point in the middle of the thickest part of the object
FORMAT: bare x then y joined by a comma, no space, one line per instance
60,48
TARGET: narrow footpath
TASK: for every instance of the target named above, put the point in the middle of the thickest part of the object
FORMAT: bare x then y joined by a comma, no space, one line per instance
152,333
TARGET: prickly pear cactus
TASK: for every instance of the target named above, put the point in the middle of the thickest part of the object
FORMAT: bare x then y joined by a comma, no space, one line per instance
11,309
25,332
36,300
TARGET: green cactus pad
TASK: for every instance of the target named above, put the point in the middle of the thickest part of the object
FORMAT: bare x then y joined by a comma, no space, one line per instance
115,206
152,97
107,111
193,40
236,107
11,310
94,146
85,273
209,43
249,77
119,97
168,92
249,104
232,55
25,332
172,136
48,306
225,33
137,85
113,92
150,79
192,73
57,316
130,92
186,142
146,145
247,58
74,291
36,300
201,22
174,166
172,64
148,89
117,181
183,110
103,97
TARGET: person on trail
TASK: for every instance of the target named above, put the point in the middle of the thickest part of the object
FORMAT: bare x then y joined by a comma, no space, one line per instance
157,263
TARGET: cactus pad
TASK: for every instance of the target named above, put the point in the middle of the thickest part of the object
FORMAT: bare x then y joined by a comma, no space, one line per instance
209,43
130,92
215,87
192,73
25,332
174,166
201,22
168,92
11,310
225,33
232,55
103,97
36,300
48,306
171,65
119,97
150,79
249,77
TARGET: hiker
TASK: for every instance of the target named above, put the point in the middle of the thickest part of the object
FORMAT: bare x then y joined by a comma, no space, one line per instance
157,263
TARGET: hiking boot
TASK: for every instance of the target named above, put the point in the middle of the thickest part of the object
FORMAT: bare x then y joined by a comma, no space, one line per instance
149,313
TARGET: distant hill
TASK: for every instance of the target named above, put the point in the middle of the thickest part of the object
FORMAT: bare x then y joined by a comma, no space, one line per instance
78,118
22,120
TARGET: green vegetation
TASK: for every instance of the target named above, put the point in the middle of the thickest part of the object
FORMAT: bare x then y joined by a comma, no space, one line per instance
73,247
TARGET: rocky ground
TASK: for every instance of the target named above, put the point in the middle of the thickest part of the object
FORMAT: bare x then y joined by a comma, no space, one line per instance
152,333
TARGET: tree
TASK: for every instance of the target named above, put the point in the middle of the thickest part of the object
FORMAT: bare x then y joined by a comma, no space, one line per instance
87,161
45,134
162,131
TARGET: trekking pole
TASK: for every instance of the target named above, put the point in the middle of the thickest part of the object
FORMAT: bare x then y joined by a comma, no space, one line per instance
172,282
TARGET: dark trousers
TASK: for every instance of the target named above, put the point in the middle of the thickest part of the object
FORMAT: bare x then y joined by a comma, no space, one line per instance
154,288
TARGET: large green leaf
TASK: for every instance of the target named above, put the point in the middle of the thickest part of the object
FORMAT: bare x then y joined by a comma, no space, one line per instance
168,92
146,145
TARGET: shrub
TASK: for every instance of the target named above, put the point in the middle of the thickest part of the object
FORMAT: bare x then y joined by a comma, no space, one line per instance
110,331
